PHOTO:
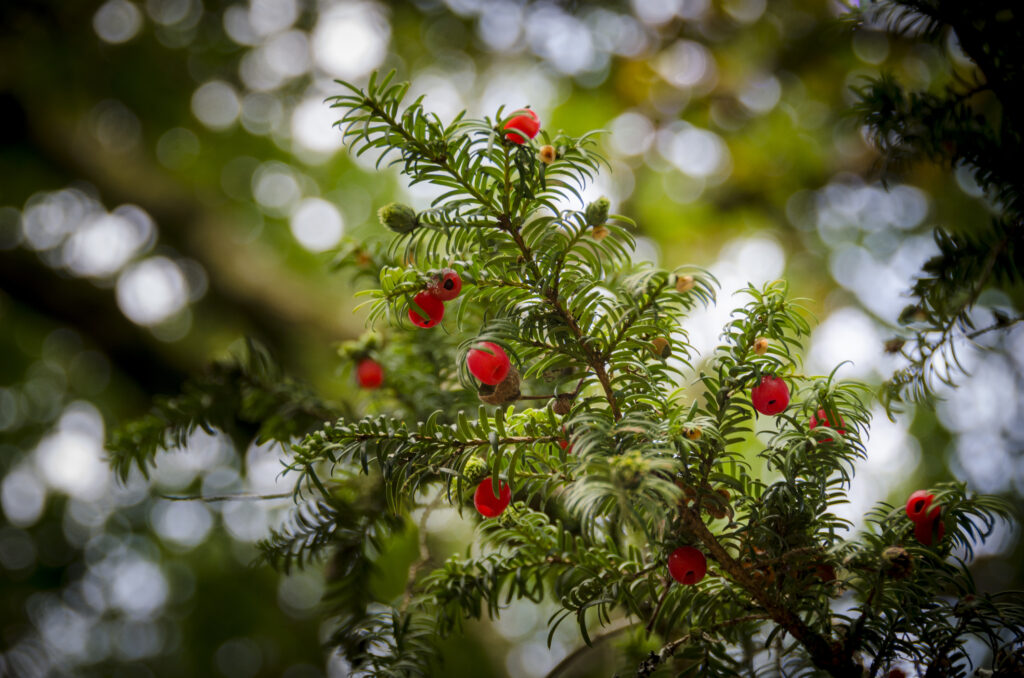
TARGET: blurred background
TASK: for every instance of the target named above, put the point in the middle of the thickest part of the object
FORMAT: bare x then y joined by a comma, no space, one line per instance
171,182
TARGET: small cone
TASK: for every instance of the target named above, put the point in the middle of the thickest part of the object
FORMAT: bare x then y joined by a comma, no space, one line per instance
562,404
896,562
660,347
504,391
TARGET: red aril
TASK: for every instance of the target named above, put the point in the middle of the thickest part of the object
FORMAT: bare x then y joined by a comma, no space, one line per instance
369,373
687,565
918,504
486,503
431,305
447,285
525,124
771,396
488,363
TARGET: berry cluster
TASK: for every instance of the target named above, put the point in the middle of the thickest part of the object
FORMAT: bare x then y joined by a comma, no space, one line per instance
927,519
427,308
426,311
488,362
771,397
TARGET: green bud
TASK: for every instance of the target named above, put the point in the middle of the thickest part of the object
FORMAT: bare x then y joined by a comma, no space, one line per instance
361,347
371,340
628,469
597,212
509,518
398,217
475,470
349,349
896,562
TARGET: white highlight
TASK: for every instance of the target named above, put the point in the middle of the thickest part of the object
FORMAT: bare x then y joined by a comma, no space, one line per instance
350,40
216,104
117,21
152,291
317,224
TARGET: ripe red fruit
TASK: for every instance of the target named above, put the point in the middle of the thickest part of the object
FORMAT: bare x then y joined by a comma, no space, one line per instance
930,529
369,373
771,396
917,505
820,419
687,565
488,363
431,305
486,503
526,124
447,285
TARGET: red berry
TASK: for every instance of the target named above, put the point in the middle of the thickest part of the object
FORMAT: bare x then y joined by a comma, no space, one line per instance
447,285
486,503
526,124
917,505
771,396
488,363
687,565
431,305
821,419
931,529
369,373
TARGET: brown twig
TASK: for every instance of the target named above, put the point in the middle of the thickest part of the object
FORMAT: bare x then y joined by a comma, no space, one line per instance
669,649
828,655
226,497
998,325
657,609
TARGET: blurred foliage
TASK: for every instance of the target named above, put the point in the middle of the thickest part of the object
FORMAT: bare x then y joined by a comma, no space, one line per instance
247,398
974,124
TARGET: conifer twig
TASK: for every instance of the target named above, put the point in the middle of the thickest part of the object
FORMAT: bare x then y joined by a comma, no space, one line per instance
226,497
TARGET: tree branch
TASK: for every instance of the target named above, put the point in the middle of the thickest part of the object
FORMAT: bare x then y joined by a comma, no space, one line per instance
226,497
827,655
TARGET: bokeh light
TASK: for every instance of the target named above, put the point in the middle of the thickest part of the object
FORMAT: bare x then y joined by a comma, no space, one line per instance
317,224
103,244
117,21
350,40
216,104
313,128
151,291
